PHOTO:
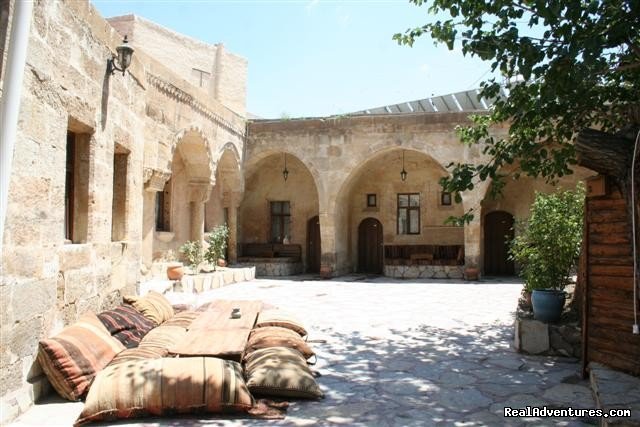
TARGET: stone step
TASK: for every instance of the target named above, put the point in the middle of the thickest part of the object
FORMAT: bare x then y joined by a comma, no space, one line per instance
615,390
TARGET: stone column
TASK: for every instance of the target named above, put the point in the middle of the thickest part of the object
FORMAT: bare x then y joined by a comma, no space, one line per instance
199,194
473,230
233,233
154,181
329,256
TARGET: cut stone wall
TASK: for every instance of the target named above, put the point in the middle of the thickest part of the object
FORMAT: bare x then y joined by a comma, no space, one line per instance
222,75
272,267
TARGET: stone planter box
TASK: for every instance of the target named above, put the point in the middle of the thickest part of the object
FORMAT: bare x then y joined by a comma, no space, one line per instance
201,282
424,271
536,337
274,266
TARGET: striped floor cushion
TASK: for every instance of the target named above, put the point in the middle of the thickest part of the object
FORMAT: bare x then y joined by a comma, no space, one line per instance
154,345
166,386
153,306
277,317
72,358
183,319
274,336
280,372
126,324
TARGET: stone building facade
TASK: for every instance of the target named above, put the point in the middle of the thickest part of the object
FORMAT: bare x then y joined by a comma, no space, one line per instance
112,173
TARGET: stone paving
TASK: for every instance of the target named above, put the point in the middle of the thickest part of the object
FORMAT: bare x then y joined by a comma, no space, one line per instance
403,353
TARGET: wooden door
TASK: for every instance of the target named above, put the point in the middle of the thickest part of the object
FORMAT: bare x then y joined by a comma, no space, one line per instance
498,231
370,246
313,245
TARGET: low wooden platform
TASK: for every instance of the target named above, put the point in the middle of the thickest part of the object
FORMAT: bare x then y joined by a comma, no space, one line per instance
215,333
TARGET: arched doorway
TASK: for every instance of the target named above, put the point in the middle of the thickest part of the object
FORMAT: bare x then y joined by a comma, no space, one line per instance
370,246
313,245
498,231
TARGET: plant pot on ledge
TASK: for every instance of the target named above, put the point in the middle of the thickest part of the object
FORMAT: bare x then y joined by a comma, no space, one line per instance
175,271
471,273
547,304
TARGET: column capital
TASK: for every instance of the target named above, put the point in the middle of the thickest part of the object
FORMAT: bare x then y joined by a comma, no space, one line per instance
199,191
155,179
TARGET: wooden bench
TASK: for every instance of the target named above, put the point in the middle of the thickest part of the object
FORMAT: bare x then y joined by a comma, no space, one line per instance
272,250
424,254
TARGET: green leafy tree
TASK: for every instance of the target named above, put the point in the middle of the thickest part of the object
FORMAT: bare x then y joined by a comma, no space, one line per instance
573,91
572,73
547,245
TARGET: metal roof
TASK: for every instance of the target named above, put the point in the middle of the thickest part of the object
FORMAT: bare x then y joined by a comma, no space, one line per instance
469,100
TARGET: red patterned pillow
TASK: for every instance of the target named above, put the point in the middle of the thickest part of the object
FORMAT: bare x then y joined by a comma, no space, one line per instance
126,324
72,358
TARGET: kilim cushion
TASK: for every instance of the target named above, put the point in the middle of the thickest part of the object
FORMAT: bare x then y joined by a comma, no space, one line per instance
154,345
281,372
274,336
126,324
72,358
153,306
182,319
277,317
166,386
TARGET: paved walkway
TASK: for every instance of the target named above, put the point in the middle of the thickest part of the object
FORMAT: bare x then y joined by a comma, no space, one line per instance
404,353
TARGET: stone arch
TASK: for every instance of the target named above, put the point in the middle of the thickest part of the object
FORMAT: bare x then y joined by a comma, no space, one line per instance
250,165
267,192
194,147
380,174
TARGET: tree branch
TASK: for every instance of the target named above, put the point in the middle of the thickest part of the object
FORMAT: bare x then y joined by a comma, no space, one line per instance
604,153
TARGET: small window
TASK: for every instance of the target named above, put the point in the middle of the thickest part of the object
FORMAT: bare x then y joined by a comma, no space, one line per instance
372,200
201,77
445,198
409,213
280,221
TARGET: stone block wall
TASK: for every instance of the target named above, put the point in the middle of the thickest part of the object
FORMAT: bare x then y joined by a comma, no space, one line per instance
211,68
126,131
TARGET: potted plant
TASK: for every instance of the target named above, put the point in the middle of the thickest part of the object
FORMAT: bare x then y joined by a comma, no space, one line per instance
174,268
547,247
192,252
217,240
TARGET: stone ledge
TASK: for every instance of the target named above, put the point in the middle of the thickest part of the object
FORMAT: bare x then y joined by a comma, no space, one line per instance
536,337
271,268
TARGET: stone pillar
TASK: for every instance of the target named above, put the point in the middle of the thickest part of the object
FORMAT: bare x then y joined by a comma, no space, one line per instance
329,257
154,181
233,233
473,230
199,194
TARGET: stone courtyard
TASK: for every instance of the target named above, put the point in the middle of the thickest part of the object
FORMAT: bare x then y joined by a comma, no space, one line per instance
400,353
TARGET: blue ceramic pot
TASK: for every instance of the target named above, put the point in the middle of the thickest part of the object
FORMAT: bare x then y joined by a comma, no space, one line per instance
547,304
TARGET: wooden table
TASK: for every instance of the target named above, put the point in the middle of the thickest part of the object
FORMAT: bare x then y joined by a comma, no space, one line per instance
215,333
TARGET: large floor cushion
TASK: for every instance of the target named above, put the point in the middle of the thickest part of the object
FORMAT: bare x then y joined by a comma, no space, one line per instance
72,358
126,324
275,336
154,345
183,319
280,372
153,306
277,317
166,386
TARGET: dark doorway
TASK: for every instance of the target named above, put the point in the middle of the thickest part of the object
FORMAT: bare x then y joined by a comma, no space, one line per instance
498,230
370,246
313,245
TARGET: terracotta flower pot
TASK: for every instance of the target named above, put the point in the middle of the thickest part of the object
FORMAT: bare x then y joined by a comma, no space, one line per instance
471,273
175,271
222,262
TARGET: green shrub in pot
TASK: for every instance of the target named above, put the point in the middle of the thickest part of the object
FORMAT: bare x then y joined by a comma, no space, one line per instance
547,246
